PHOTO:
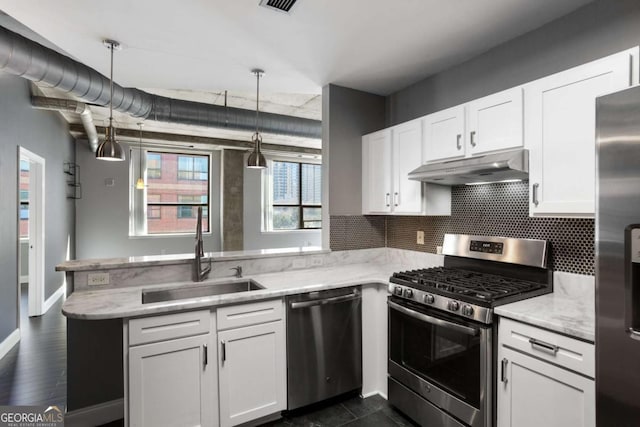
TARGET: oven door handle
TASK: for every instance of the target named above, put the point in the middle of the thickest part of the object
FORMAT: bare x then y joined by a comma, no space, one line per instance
434,320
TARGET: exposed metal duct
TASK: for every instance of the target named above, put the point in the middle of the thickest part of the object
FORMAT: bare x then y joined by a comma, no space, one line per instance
57,104
28,59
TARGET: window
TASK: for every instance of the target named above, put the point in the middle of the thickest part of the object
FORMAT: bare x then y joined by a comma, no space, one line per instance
153,211
193,168
296,196
188,211
177,184
154,166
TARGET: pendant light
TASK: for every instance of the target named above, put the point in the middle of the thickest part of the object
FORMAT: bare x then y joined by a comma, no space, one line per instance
256,159
140,182
110,149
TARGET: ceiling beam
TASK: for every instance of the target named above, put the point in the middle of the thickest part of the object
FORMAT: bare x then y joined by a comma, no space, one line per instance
133,135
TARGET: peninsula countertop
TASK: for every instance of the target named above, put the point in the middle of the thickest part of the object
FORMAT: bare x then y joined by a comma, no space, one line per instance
569,310
127,302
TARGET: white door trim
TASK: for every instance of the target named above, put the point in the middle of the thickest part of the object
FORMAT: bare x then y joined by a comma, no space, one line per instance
8,343
36,229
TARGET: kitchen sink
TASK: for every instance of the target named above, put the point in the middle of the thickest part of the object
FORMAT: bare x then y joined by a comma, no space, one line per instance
187,292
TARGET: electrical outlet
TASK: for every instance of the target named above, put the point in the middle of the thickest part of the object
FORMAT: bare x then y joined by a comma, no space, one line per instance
95,279
315,262
420,237
299,263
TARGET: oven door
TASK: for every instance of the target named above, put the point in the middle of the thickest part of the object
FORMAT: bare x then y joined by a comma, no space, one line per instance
443,358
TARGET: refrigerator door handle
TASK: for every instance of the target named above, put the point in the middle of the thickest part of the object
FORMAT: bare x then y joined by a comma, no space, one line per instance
632,280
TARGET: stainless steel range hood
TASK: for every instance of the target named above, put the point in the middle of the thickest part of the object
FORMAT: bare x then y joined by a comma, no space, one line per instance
504,166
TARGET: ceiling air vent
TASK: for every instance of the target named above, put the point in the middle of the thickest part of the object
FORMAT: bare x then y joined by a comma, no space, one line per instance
279,5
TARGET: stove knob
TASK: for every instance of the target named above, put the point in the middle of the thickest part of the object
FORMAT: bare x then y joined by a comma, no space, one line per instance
467,310
453,305
408,293
398,290
429,299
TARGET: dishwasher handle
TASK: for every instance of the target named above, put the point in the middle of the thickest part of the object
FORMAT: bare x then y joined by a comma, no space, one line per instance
324,301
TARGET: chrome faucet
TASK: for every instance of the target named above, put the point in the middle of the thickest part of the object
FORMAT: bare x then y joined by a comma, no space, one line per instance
198,273
238,270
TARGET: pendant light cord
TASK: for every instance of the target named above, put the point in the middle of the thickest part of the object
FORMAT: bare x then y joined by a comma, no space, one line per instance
140,154
257,98
111,88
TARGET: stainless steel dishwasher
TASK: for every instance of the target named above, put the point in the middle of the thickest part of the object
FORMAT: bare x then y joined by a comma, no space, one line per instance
324,345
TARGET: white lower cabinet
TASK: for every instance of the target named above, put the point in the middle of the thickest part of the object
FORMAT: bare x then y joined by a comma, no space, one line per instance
252,369
176,374
170,371
171,383
532,392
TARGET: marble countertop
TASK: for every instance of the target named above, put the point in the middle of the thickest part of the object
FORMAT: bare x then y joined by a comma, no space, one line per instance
127,302
155,260
569,310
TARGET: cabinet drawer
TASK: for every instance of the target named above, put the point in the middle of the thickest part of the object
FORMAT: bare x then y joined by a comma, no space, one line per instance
236,316
169,326
570,353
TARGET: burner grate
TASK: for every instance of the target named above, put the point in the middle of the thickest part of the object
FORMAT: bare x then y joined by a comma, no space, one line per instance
480,286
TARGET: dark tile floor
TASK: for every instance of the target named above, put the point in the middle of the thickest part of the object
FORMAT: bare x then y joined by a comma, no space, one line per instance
34,372
347,411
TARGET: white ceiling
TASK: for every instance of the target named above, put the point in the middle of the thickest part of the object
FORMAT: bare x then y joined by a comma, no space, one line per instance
210,45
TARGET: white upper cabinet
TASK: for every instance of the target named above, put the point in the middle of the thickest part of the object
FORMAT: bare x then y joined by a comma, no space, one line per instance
387,158
376,172
407,155
444,134
559,127
491,123
495,122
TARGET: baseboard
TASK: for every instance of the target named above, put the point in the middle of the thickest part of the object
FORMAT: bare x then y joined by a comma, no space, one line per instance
95,415
24,279
373,393
52,299
9,342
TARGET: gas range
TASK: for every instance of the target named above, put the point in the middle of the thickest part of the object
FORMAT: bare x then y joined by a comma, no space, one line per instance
479,274
442,354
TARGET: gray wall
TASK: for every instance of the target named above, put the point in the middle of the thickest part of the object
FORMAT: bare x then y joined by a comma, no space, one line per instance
347,115
103,213
44,133
596,30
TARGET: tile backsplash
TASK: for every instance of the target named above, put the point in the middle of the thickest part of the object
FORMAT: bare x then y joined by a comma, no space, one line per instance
496,209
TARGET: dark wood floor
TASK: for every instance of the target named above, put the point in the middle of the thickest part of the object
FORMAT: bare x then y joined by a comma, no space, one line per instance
346,411
34,371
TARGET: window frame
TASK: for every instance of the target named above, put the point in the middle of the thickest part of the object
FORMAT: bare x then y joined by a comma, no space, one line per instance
138,203
300,205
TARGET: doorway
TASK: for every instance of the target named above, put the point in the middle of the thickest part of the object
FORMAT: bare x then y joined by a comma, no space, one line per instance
31,171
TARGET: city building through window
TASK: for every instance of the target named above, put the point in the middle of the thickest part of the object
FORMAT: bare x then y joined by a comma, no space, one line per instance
176,185
297,196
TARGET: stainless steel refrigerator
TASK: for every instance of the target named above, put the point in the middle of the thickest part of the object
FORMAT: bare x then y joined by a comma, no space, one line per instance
618,259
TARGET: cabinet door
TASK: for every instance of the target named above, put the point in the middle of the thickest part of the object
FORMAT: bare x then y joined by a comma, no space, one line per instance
444,135
560,134
252,373
407,155
171,383
534,393
376,172
495,122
